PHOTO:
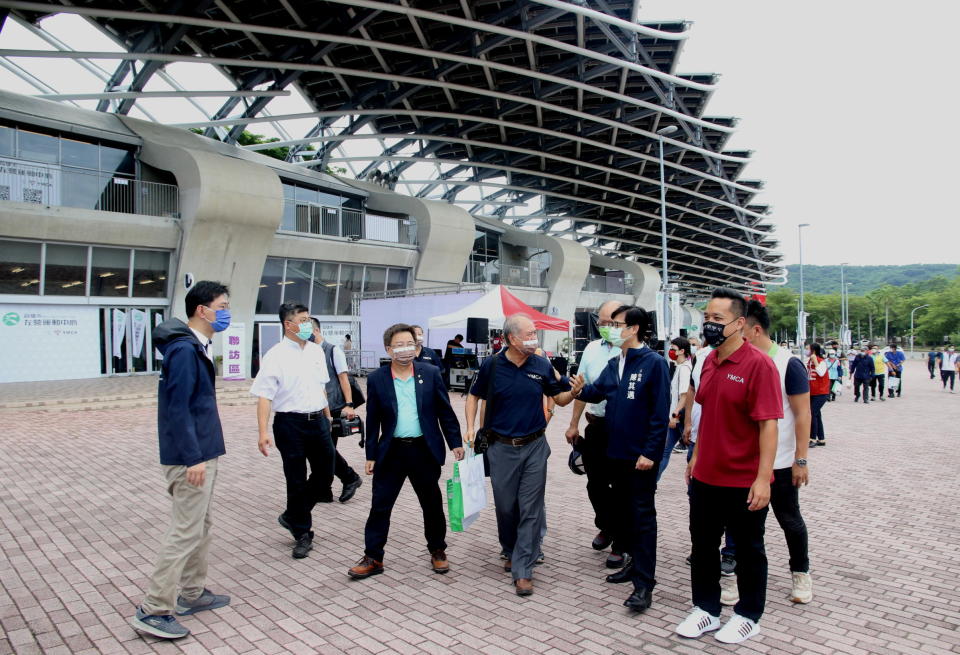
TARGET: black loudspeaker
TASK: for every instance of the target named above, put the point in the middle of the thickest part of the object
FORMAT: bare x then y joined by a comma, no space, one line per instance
478,330
651,331
584,331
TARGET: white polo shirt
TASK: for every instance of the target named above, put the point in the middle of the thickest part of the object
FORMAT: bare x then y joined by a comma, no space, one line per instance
294,378
695,378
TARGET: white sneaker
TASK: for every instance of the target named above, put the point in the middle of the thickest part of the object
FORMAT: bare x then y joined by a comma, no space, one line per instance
802,588
696,623
738,628
729,594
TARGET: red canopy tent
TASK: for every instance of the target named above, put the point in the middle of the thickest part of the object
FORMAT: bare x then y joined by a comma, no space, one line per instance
495,306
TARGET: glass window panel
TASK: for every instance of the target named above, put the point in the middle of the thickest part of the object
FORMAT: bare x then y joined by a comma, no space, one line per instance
7,137
325,284
289,220
80,154
289,191
351,278
116,160
39,147
66,271
20,267
150,273
329,199
306,195
352,202
397,279
374,279
110,272
268,298
83,189
297,285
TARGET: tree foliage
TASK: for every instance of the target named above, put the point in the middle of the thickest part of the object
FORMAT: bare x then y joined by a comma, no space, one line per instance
248,138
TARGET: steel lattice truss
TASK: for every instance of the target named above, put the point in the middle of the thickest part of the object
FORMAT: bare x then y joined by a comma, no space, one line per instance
526,99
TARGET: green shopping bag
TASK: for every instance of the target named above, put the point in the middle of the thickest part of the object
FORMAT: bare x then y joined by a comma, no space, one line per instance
466,492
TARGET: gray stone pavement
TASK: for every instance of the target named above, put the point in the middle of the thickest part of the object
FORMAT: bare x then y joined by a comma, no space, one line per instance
83,508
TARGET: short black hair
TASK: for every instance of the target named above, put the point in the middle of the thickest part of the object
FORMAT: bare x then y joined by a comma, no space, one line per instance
459,336
683,344
316,322
738,303
290,309
633,315
396,329
416,327
203,292
816,349
757,315
893,345
346,336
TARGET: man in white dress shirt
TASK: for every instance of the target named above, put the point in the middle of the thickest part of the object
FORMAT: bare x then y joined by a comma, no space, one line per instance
291,381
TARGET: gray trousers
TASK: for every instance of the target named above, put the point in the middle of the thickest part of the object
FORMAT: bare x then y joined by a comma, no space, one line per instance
519,479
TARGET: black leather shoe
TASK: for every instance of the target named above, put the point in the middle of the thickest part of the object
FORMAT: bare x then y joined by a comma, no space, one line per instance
615,560
303,546
349,489
639,600
623,575
601,541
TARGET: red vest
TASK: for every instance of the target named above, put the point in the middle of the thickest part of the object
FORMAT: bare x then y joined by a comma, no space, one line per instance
819,384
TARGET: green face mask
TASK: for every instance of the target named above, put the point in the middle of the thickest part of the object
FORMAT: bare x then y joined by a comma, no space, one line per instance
605,332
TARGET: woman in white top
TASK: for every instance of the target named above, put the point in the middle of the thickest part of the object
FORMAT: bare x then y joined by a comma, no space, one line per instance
679,387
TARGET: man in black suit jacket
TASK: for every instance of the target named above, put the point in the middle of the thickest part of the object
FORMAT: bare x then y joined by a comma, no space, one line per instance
410,424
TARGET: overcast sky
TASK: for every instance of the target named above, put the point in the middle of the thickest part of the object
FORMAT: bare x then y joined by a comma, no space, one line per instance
849,109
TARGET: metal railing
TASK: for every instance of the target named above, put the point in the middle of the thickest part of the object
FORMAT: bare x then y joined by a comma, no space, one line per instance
492,272
608,284
66,187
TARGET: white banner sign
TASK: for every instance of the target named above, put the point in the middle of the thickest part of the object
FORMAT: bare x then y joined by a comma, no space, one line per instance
29,182
138,321
49,342
334,332
661,319
234,352
157,320
119,331
676,315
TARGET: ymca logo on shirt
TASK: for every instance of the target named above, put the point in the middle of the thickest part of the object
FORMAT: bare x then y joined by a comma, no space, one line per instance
534,376
735,378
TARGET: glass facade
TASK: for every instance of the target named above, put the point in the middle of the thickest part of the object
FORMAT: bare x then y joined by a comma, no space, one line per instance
327,288
62,269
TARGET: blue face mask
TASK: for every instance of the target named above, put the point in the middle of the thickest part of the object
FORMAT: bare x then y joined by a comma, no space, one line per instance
223,320
305,331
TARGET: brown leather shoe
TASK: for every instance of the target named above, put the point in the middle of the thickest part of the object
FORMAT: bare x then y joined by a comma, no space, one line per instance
438,559
366,567
524,586
507,566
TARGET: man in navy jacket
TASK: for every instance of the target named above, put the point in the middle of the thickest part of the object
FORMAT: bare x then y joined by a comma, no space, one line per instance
191,441
410,425
862,370
636,386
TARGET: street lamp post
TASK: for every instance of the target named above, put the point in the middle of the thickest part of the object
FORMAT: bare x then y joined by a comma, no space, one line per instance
664,284
843,305
846,295
911,326
801,319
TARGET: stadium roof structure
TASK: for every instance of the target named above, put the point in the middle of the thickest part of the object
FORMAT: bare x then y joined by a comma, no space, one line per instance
541,113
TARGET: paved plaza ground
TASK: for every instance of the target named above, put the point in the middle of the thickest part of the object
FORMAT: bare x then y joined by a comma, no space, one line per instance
83,508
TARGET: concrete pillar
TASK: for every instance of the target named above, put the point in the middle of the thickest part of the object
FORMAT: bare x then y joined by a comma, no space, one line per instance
445,233
230,210
646,279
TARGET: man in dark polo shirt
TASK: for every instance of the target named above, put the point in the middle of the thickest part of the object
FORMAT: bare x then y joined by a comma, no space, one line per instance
518,453
425,353
731,470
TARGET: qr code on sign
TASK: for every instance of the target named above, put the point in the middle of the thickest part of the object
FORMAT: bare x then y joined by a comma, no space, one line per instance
4,193
33,195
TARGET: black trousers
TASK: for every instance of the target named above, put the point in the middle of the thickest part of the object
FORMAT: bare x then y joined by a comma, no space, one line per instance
341,469
816,416
406,458
785,500
301,442
931,367
713,510
599,469
946,376
877,382
861,385
637,529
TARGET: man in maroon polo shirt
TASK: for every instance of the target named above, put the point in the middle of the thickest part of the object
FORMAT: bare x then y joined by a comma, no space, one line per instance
731,470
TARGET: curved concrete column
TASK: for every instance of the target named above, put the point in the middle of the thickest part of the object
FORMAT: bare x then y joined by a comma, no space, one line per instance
646,279
230,209
445,233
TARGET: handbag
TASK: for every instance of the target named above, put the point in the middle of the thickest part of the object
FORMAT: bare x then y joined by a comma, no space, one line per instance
466,492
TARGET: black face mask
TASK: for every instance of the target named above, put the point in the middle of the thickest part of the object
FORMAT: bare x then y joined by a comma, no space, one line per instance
713,333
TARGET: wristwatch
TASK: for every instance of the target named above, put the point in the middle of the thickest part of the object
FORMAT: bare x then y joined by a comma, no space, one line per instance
800,461
350,405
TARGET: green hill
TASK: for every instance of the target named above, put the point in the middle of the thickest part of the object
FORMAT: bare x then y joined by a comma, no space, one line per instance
826,279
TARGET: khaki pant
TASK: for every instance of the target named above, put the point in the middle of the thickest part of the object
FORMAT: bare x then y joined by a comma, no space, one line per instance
182,560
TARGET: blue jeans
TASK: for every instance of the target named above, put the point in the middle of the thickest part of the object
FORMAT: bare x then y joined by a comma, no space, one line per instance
673,436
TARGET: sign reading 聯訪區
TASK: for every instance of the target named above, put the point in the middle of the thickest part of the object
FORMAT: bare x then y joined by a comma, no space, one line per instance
234,352
48,342
34,182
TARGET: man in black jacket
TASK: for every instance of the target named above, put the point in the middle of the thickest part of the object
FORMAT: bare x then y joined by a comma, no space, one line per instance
191,441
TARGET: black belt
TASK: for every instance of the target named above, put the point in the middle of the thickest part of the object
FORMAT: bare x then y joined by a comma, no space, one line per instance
517,441
593,418
303,416
408,441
